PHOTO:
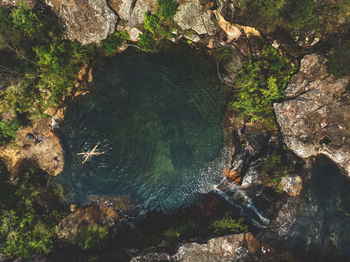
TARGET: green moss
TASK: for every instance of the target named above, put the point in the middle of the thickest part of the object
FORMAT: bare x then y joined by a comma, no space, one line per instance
275,167
90,236
8,131
166,8
114,41
227,224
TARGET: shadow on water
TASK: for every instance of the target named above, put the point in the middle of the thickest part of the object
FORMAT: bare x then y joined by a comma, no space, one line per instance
322,228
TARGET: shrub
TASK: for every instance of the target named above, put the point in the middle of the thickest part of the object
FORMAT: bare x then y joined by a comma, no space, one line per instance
114,41
274,168
166,8
27,20
146,42
8,131
151,23
178,232
90,236
227,224
259,84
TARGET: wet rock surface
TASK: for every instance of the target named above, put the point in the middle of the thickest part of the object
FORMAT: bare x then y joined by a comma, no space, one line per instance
86,21
315,117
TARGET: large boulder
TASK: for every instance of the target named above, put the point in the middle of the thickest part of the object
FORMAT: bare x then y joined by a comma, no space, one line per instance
192,16
315,118
87,21
132,11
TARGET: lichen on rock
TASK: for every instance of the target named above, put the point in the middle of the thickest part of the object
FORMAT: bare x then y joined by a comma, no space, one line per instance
191,16
315,118
86,21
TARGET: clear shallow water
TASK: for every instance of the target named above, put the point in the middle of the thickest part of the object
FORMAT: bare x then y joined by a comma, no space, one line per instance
158,118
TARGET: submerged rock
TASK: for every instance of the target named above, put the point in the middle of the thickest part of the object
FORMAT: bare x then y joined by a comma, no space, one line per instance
315,118
87,21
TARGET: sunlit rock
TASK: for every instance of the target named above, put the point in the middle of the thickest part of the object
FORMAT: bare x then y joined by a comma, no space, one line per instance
191,15
315,118
292,185
91,215
87,21
133,11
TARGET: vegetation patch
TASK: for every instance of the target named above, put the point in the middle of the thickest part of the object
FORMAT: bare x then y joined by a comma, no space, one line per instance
227,224
90,236
34,53
321,17
259,84
158,27
29,212
274,168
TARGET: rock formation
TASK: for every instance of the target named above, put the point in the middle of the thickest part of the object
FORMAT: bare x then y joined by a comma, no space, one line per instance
191,15
315,118
132,11
86,21
238,247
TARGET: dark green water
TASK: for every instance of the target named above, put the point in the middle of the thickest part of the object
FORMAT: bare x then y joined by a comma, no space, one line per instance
158,118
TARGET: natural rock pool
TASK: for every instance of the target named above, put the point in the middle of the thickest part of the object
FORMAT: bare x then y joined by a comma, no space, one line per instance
158,118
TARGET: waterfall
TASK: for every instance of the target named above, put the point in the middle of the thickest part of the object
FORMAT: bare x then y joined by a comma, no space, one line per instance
238,198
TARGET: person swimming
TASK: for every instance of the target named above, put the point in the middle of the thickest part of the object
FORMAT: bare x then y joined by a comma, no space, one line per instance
90,153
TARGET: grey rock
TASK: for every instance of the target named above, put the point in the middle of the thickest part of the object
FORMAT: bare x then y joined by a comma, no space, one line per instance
190,15
315,118
87,21
3,258
133,11
10,3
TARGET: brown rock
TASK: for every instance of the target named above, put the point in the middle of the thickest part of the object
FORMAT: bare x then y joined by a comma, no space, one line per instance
232,175
315,118
253,244
48,153
90,215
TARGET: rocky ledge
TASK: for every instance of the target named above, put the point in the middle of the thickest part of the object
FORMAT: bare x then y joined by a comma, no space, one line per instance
238,247
38,143
315,117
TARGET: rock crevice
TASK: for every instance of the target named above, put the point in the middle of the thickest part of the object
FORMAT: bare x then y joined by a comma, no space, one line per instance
315,118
